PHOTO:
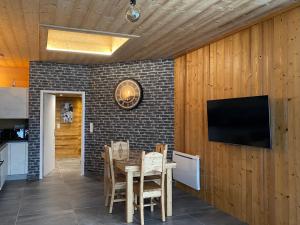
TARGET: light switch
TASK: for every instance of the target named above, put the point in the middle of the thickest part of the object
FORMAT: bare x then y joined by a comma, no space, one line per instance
91,128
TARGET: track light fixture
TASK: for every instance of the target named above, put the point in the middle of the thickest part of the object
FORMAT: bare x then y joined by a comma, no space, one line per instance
133,13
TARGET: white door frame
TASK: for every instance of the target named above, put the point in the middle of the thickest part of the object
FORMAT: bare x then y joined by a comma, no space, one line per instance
82,94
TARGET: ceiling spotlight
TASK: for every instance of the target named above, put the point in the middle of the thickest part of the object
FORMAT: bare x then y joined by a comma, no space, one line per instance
133,14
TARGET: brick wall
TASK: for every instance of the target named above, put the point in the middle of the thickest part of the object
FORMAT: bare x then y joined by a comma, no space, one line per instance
144,126
51,76
149,123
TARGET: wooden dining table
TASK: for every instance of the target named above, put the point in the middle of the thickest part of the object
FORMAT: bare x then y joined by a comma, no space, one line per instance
131,168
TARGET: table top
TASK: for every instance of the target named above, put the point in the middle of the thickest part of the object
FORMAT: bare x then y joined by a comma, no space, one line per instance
133,164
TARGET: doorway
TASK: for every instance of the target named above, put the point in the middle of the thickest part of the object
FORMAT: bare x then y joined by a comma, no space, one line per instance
61,130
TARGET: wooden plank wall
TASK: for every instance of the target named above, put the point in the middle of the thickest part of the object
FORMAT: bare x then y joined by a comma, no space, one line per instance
17,76
68,136
259,186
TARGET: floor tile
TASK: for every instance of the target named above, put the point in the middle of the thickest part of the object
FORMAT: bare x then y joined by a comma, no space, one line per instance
63,218
93,216
215,217
188,204
9,208
44,205
66,198
8,220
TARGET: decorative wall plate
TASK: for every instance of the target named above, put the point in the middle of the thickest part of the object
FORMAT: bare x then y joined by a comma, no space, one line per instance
128,94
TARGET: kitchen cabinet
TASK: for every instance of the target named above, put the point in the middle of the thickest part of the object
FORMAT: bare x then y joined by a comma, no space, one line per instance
4,164
13,103
14,158
17,158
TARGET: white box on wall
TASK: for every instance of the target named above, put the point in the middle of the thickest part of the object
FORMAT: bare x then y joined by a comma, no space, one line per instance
187,169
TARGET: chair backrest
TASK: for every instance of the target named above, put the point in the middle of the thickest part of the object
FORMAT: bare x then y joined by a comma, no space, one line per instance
153,162
161,148
110,164
120,150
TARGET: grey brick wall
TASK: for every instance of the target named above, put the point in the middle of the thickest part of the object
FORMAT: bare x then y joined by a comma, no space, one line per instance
149,123
51,76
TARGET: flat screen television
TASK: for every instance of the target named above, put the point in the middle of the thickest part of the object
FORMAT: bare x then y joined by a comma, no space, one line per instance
241,121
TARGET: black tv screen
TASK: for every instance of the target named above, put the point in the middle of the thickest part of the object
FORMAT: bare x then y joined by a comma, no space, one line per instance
242,121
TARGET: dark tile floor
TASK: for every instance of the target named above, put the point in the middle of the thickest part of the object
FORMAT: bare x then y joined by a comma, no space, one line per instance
66,198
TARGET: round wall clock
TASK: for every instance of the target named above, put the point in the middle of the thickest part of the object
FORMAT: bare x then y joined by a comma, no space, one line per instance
128,94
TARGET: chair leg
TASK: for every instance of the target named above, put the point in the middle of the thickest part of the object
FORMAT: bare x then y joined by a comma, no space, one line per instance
151,205
135,201
112,200
142,210
163,213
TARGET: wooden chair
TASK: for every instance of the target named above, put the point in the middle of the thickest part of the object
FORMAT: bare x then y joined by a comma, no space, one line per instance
161,148
152,162
120,150
158,148
116,184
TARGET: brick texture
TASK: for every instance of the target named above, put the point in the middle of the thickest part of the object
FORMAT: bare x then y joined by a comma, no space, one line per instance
59,77
151,122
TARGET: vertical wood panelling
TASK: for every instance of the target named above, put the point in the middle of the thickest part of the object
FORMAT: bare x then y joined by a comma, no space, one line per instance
179,97
279,94
294,112
68,135
259,186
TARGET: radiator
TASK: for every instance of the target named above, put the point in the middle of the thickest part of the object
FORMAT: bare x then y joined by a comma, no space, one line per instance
187,169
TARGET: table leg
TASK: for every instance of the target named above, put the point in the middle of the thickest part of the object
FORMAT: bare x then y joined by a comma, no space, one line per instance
105,177
169,192
129,197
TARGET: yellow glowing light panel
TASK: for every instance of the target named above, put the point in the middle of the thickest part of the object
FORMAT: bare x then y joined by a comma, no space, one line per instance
78,42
